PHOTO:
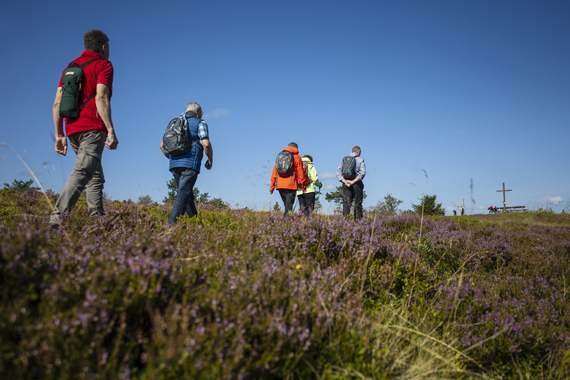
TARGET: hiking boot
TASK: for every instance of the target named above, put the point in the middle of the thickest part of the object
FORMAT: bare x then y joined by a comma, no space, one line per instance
55,220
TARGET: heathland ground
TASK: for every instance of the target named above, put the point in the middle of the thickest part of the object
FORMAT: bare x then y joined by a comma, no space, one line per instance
239,294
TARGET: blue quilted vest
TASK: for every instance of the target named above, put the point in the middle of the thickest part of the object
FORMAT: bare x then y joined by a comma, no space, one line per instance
193,159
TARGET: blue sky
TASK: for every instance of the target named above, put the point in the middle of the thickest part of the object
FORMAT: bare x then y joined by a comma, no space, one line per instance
471,92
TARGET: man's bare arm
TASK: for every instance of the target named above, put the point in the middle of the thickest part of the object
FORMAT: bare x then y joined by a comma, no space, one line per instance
209,152
103,103
163,151
60,140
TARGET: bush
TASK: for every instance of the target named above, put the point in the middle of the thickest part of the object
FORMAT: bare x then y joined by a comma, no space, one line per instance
243,294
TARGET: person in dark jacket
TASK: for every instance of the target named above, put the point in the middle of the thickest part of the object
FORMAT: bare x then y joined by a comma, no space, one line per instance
186,167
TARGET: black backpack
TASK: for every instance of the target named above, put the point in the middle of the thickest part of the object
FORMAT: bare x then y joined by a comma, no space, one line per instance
349,167
284,163
71,86
176,139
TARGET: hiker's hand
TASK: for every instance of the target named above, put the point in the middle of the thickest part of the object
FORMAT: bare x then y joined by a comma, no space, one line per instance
61,145
112,141
208,164
271,192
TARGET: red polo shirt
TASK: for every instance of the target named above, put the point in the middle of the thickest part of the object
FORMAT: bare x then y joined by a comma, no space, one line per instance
100,71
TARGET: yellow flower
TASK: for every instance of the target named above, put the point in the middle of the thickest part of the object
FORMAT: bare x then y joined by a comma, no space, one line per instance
298,266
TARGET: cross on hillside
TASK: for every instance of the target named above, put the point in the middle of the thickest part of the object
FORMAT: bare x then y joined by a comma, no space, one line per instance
504,197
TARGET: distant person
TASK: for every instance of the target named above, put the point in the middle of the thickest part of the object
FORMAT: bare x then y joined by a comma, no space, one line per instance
88,123
454,212
462,210
186,167
351,172
307,199
288,175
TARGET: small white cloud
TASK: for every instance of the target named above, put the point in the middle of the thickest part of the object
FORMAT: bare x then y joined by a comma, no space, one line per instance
218,112
552,201
327,175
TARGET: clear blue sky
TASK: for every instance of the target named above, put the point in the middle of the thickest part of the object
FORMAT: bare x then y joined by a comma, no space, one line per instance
467,91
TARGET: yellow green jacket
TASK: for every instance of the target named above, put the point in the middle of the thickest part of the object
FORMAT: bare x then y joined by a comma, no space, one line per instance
313,176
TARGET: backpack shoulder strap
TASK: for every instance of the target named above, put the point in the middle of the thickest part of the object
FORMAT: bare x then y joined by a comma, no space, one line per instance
198,139
88,63
72,63
95,92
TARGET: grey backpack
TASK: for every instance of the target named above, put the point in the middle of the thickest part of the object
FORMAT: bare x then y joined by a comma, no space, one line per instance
176,139
284,163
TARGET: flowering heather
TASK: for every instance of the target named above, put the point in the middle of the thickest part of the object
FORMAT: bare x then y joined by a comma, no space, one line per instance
245,295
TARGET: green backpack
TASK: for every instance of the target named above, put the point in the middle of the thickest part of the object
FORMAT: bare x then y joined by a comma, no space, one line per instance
71,86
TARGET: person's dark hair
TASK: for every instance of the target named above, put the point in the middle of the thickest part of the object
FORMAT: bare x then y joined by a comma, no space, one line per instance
94,40
293,145
356,149
309,157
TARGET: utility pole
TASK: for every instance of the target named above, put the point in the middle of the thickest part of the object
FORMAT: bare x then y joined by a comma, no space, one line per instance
504,197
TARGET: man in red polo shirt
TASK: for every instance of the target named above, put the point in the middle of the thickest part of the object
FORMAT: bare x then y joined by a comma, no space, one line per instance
88,132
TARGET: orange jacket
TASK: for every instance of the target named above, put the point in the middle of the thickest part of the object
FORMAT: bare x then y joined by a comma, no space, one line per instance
294,180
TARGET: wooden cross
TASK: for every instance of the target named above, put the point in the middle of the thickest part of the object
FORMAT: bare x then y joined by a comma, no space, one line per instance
504,197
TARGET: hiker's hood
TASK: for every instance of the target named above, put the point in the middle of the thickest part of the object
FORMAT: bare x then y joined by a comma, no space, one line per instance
306,159
292,150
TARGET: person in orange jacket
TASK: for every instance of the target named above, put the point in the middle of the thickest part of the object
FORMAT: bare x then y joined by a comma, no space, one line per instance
288,184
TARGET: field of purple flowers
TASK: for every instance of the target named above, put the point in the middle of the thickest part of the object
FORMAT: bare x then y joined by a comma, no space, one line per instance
237,294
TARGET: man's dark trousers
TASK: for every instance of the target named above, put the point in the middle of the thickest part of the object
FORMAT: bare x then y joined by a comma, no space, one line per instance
185,180
353,193
288,197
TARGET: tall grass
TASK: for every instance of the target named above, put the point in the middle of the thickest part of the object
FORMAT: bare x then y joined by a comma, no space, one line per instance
253,295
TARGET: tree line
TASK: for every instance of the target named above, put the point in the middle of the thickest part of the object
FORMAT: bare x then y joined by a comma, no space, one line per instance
389,206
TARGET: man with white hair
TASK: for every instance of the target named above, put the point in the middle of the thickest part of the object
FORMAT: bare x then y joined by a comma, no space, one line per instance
186,167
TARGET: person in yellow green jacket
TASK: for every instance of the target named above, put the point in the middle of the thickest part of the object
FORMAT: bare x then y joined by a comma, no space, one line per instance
307,198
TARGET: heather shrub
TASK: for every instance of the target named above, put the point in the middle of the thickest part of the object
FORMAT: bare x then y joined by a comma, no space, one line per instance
16,204
116,300
254,295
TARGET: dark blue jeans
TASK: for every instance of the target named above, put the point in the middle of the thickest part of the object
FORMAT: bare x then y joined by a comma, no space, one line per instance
184,204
